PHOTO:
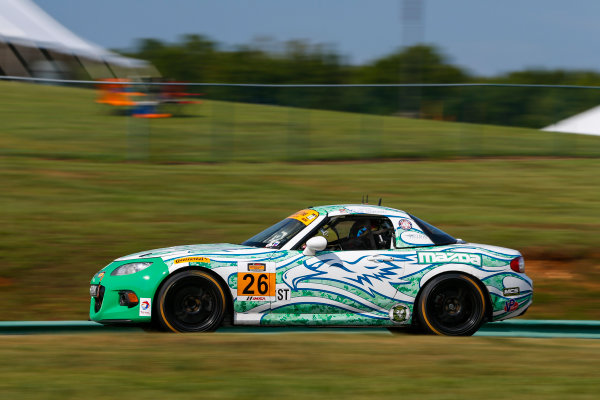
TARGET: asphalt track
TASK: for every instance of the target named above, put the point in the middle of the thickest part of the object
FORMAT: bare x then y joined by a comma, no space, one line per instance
512,328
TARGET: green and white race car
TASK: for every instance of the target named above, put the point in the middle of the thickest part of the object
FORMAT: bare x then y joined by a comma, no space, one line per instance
340,265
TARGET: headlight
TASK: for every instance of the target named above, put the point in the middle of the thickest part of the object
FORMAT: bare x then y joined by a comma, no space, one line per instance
131,268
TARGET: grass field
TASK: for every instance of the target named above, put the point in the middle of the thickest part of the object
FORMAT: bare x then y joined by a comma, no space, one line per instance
294,366
70,204
66,123
64,220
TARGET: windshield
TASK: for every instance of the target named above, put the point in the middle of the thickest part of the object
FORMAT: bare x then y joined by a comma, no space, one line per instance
437,236
277,235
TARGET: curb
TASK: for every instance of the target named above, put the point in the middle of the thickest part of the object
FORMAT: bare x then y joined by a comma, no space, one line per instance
542,328
512,328
40,327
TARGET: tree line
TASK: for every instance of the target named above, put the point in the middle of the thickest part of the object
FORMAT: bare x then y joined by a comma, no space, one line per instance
196,58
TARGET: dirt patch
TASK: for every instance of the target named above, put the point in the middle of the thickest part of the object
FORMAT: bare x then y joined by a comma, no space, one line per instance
62,174
6,282
453,159
582,272
550,269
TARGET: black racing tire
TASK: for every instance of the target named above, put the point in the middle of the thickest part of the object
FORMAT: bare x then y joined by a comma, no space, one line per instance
191,301
452,305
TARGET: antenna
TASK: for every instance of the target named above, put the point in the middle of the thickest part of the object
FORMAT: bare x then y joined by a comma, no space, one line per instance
379,201
367,199
362,201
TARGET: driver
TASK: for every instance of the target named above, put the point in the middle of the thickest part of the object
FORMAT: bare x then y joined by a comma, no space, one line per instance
370,235
364,234
360,237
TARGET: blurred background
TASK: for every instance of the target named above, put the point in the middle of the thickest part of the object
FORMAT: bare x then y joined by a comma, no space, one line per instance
192,140
127,126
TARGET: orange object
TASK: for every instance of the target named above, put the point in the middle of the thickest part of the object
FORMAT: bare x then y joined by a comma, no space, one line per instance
132,297
255,284
152,115
116,94
305,216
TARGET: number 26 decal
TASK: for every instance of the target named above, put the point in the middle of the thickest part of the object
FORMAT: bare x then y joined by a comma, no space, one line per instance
255,284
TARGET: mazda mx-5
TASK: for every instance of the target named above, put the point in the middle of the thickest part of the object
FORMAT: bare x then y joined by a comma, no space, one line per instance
340,265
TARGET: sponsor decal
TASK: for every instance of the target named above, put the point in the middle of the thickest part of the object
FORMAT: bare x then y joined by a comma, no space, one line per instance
399,313
100,276
362,209
305,216
272,244
412,237
511,291
511,305
445,257
192,259
145,307
257,267
405,224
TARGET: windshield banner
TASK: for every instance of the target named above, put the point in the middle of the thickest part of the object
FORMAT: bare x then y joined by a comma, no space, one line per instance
305,216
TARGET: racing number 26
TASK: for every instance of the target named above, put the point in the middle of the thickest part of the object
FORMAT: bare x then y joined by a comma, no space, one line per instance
256,284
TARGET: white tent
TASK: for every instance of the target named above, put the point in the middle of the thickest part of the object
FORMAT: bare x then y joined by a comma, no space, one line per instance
24,25
585,123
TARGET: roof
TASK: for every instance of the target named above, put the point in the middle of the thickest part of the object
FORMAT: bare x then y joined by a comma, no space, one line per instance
585,123
346,209
23,22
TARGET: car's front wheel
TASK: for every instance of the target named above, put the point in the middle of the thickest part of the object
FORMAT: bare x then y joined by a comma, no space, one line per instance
191,301
452,305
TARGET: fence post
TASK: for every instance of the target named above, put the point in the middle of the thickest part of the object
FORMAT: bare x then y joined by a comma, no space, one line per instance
222,129
138,138
370,136
298,131
470,139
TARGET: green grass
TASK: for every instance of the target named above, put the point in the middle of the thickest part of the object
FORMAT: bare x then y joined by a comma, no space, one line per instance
294,366
64,220
69,204
66,123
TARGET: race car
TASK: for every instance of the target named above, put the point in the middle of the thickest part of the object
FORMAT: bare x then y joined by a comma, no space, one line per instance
337,265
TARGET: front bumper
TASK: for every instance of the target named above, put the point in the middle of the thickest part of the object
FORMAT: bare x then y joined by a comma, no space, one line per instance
105,306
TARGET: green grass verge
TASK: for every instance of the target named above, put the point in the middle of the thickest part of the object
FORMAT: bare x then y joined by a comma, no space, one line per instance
64,220
61,122
294,366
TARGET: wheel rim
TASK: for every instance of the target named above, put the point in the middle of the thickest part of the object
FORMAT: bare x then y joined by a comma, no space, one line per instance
454,307
192,304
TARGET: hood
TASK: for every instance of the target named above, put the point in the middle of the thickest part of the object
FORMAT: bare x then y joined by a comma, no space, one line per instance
215,250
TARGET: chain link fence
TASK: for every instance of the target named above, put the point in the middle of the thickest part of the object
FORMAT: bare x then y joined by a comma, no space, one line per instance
213,122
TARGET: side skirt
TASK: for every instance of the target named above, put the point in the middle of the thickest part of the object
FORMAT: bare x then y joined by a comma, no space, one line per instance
342,319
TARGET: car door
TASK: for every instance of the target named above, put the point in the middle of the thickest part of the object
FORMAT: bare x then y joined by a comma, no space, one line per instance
349,277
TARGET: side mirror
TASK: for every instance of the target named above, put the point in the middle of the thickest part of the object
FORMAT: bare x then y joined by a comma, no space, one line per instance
315,244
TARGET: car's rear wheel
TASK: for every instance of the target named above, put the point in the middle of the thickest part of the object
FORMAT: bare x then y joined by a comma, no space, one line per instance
452,305
191,301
